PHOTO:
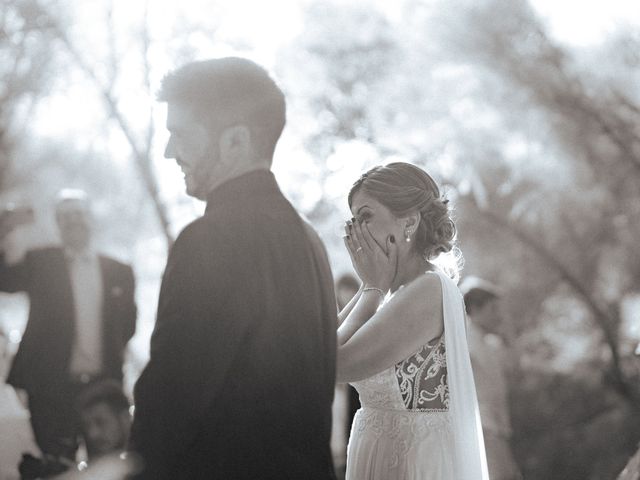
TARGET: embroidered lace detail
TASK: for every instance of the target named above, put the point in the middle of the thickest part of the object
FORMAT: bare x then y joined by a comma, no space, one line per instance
401,430
422,379
380,391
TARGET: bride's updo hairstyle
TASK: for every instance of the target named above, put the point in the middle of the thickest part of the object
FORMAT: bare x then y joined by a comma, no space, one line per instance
404,188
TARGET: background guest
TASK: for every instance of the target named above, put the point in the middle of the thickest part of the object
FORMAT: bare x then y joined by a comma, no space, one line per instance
82,314
105,418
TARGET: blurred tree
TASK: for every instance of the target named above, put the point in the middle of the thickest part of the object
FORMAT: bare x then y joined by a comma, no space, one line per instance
26,68
352,65
593,127
344,57
105,75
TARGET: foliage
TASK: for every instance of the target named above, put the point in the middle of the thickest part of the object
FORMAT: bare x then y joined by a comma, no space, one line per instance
26,67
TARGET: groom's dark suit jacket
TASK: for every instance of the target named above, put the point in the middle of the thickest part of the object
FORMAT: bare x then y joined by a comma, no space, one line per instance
240,380
41,364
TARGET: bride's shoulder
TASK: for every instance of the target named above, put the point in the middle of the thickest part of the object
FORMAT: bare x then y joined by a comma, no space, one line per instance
422,290
419,307
429,282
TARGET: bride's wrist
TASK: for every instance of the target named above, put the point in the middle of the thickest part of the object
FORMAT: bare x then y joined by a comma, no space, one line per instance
374,290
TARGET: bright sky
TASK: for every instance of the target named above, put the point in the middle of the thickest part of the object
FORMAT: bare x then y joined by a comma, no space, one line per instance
585,22
260,29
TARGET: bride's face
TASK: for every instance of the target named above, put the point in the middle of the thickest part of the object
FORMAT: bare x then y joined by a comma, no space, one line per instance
377,218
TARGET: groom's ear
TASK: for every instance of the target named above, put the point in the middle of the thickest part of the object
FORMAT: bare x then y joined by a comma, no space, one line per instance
235,143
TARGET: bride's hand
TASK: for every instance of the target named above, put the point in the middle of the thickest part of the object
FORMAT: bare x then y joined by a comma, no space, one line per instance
374,267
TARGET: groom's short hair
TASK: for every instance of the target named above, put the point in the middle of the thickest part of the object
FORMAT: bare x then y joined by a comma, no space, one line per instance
233,90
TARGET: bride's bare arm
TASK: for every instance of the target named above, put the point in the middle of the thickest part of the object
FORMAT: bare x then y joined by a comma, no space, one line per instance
373,341
363,305
349,306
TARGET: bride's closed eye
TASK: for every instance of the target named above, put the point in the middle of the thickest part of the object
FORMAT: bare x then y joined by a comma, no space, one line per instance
364,217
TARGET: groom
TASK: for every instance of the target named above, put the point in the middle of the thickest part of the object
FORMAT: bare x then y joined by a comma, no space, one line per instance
240,380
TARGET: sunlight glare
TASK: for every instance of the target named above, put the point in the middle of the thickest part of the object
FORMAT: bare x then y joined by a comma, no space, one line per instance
586,22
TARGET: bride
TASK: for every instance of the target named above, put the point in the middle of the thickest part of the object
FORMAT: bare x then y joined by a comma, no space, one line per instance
402,339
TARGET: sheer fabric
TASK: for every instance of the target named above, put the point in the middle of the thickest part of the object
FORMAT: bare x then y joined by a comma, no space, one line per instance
422,379
469,455
419,418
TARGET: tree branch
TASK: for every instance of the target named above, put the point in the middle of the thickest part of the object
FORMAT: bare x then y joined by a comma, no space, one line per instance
141,155
603,316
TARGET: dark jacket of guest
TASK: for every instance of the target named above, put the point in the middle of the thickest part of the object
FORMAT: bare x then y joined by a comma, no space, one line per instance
240,380
42,362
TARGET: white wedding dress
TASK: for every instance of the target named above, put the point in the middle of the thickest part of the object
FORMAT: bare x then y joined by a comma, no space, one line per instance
419,418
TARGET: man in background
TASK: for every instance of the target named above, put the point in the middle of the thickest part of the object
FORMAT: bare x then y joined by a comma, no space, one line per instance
82,314
488,359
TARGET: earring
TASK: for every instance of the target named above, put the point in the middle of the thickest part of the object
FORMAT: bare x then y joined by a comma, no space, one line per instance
407,236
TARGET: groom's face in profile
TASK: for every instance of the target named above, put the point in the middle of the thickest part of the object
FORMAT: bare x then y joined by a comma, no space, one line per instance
193,146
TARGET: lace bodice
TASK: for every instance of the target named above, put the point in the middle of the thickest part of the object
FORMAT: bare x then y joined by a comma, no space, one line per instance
418,383
419,418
